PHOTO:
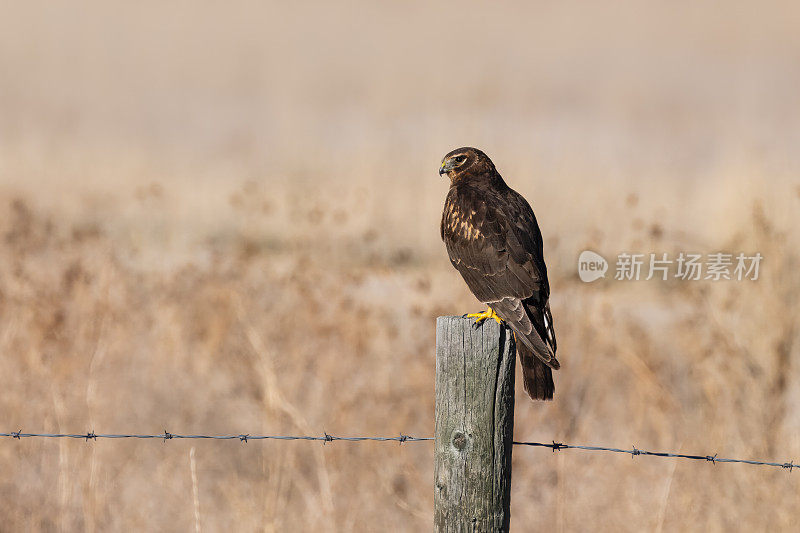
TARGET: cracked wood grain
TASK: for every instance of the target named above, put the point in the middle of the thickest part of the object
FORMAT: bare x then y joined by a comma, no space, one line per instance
474,425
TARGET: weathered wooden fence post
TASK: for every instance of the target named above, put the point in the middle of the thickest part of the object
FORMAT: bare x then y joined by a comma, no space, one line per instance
474,425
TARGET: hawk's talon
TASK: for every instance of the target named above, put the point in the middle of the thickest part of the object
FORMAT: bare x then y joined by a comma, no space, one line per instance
480,317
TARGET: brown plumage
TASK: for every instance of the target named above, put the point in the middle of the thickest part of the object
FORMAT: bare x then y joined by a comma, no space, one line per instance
493,240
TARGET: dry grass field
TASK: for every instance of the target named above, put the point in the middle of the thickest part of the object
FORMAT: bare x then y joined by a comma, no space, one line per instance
225,220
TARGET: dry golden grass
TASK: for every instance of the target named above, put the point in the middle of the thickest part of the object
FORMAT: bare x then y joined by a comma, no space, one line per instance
225,221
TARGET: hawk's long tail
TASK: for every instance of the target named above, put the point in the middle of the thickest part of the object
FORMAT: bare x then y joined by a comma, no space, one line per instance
537,376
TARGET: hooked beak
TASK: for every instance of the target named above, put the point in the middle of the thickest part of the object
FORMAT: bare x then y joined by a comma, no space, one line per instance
445,168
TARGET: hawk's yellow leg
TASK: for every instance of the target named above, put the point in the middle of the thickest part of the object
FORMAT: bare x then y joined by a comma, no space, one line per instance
489,313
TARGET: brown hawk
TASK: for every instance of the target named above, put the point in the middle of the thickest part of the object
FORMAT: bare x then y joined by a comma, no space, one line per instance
493,240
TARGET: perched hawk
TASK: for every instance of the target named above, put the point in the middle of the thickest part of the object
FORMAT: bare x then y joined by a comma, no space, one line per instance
493,240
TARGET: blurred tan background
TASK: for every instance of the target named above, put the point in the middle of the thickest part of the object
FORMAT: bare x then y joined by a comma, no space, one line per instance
224,219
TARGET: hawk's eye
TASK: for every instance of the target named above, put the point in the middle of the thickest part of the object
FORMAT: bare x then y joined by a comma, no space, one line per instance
461,159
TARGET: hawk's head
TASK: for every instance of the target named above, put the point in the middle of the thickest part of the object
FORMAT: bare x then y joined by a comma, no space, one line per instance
465,161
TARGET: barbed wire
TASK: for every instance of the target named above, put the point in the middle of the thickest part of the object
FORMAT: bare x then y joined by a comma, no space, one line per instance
325,438
242,437
634,451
